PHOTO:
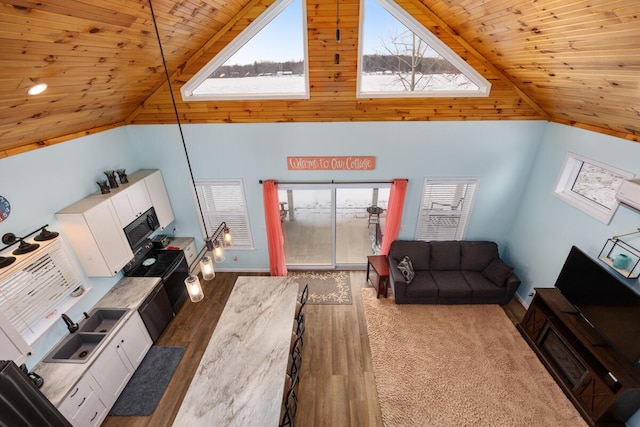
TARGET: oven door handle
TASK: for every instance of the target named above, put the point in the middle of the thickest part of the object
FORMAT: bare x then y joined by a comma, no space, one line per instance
151,222
174,266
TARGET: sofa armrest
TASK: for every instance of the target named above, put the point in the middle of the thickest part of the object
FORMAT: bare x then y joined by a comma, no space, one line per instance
512,284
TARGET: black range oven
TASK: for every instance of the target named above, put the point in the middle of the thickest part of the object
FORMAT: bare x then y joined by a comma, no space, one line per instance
168,264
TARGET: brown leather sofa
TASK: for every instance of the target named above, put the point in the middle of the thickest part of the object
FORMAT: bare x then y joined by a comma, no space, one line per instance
451,272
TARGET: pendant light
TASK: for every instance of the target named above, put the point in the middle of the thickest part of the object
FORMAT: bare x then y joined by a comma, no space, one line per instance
194,288
218,252
206,266
227,238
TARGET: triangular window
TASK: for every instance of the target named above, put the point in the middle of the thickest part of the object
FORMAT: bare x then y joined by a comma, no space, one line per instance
401,58
267,60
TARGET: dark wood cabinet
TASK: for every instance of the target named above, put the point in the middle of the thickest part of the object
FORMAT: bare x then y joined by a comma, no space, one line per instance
604,387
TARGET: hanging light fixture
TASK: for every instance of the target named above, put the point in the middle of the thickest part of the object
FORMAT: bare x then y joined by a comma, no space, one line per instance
218,252
194,288
206,265
227,238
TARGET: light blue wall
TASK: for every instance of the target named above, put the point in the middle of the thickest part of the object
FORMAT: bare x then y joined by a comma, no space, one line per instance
41,182
517,163
546,227
499,153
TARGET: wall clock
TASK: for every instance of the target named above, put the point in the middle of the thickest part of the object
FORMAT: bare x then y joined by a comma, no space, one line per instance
5,208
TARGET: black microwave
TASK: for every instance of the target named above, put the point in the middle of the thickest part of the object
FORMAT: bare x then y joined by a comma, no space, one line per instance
141,228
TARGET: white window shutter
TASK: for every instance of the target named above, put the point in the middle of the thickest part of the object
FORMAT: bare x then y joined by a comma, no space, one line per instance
446,208
223,201
34,291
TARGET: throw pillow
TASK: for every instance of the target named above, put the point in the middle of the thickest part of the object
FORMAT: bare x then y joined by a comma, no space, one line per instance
497,272
406,268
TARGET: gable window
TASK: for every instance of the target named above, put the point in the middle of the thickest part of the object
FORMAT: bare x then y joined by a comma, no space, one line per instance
268,60
445,209
223,200
400,57
590,186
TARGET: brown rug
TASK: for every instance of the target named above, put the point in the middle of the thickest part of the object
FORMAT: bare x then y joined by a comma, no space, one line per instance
458,365
325,287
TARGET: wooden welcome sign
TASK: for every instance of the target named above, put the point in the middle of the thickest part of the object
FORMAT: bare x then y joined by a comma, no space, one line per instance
334,163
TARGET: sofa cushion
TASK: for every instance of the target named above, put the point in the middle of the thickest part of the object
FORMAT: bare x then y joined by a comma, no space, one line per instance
406,268
417,250
422,285
475,256
451,284
445,256
497,272
481,286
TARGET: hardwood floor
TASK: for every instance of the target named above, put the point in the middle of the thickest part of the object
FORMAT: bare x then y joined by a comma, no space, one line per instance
337,386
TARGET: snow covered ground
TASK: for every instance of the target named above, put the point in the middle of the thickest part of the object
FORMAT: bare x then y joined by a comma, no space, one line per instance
296,84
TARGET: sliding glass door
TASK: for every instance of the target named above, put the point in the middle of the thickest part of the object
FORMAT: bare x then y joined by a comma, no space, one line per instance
307,226
332,226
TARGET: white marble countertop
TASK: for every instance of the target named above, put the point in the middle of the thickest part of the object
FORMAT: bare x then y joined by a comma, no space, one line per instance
59,378
240,379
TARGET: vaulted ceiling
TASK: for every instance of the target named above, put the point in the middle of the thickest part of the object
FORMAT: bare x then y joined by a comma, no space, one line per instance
575,62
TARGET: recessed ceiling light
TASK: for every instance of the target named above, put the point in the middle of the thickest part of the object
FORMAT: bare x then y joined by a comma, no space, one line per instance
37,89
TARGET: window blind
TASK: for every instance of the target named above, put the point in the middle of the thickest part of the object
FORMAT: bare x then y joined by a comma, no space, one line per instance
30,294
445,209
223,200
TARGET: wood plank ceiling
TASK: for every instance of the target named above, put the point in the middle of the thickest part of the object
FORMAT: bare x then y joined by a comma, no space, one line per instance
571,61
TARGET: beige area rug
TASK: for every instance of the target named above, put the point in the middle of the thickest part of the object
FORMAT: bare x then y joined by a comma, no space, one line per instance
325,287
458,365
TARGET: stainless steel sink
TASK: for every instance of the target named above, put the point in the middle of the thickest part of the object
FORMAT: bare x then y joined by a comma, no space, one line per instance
76,348
102,320
79,346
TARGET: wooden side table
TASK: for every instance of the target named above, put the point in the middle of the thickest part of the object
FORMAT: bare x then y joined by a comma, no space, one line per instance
380,280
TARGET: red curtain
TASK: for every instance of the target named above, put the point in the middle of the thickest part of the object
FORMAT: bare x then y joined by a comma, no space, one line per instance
275,239
394,214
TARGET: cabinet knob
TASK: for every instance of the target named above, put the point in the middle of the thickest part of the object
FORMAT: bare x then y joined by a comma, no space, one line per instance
94,416
81,403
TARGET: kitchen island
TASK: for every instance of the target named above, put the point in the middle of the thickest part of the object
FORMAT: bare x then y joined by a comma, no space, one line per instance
241,376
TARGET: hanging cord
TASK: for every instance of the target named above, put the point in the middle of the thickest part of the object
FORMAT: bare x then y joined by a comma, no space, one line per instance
175,109
336,58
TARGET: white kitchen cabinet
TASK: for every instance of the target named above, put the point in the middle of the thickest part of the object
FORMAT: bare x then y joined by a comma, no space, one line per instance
121,356
131,202
83,406
159,198
94,231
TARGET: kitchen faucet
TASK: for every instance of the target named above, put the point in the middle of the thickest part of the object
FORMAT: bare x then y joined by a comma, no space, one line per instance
70,324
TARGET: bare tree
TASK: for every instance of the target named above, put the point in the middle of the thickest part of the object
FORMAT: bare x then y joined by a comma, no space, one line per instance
413,63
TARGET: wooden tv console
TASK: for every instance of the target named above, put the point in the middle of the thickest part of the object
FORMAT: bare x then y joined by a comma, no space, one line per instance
603,386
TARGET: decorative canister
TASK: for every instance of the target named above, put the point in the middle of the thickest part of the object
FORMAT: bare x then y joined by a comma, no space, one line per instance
111,175
123,176
621,261
104,188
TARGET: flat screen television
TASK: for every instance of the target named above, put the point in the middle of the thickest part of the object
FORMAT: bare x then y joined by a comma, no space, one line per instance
606,303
